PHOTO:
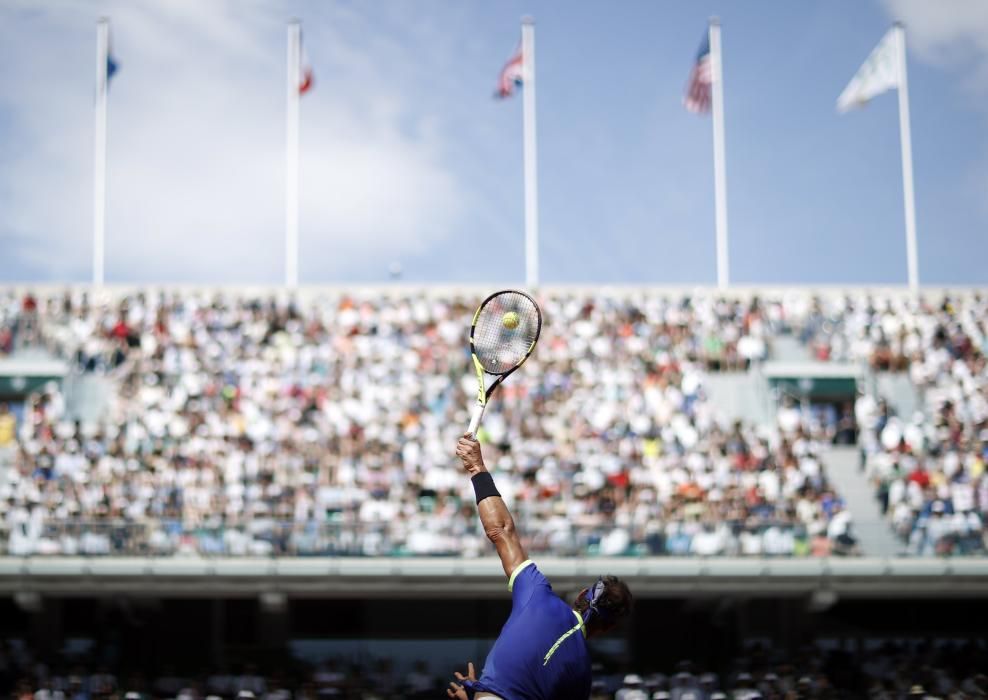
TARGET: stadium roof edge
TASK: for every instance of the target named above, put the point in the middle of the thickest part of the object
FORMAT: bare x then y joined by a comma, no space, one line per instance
481,578
32,367
810,368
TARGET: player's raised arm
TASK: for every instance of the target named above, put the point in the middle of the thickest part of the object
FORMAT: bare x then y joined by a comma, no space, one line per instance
494,515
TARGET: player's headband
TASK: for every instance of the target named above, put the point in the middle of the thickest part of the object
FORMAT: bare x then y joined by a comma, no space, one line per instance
593,596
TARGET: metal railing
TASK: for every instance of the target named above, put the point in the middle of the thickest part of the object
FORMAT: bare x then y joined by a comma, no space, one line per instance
172,537
269,537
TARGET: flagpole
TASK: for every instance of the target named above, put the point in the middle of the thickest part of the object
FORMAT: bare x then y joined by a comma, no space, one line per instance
720,179
291,156
531,170
905,138
99,152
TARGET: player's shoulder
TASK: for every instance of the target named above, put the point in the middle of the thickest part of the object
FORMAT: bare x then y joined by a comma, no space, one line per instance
527,577
524,570
525,574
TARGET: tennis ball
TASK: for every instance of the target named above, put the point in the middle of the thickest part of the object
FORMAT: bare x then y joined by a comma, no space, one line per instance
510,320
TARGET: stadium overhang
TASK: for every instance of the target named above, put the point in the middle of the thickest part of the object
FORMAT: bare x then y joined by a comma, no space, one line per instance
19,377
482,578
817,380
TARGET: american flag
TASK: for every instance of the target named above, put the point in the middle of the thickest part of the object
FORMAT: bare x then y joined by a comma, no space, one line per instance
697,98
511,75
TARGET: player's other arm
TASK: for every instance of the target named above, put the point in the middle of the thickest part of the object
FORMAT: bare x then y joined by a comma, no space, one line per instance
494,515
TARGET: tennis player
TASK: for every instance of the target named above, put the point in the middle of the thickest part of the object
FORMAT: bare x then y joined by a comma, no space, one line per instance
541,653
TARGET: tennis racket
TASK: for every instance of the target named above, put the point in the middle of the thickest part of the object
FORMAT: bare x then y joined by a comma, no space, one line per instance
503,334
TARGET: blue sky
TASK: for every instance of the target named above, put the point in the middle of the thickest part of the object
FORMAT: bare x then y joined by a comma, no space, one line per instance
406,157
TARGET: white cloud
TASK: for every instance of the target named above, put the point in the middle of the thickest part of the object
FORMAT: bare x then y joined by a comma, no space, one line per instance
196,144
953,34
946,32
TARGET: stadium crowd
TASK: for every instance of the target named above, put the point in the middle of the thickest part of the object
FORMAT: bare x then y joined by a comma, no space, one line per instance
245,424
929,468
892,671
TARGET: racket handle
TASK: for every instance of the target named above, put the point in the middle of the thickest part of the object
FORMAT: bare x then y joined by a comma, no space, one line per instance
478,413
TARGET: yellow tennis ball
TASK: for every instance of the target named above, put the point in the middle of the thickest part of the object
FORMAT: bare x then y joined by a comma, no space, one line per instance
510,320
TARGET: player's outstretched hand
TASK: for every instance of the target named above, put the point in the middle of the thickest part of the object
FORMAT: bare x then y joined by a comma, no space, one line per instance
456,690
468,450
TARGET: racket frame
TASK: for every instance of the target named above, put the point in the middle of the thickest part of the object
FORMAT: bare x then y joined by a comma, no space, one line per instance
484,393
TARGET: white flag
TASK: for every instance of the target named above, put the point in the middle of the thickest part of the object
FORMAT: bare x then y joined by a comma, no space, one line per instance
878,74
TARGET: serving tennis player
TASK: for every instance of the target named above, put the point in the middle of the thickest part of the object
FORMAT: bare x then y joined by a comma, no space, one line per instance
541,653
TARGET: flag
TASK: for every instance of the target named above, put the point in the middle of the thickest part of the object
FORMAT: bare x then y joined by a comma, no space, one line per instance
305,78
511,75
876,75
111,63
111,66
697,98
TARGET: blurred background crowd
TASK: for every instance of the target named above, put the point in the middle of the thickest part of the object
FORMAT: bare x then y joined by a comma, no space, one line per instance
929,468
235,423
892,671
247,425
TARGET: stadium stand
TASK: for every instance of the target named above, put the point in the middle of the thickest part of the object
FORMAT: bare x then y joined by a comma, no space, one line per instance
928,466
889,672
248,424
239,423
244,426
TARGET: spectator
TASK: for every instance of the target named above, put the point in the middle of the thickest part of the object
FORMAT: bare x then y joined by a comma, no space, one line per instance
8,427
252,425
632,689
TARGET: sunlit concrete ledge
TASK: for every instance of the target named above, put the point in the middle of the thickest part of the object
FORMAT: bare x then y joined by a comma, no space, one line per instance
482,578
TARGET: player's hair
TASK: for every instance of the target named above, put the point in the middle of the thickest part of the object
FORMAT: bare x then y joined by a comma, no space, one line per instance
613,603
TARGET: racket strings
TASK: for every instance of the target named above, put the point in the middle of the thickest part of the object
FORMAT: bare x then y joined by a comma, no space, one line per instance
501,340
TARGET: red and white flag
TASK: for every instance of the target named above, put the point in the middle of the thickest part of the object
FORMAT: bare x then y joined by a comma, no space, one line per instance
305,79
511,76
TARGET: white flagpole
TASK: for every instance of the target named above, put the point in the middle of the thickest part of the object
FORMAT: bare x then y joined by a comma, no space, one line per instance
99,152
720,179
531,170
905,138
291,155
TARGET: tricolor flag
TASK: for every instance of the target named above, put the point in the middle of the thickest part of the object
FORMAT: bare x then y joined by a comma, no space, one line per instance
111,65
697,98
511,75
305,78
876,75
